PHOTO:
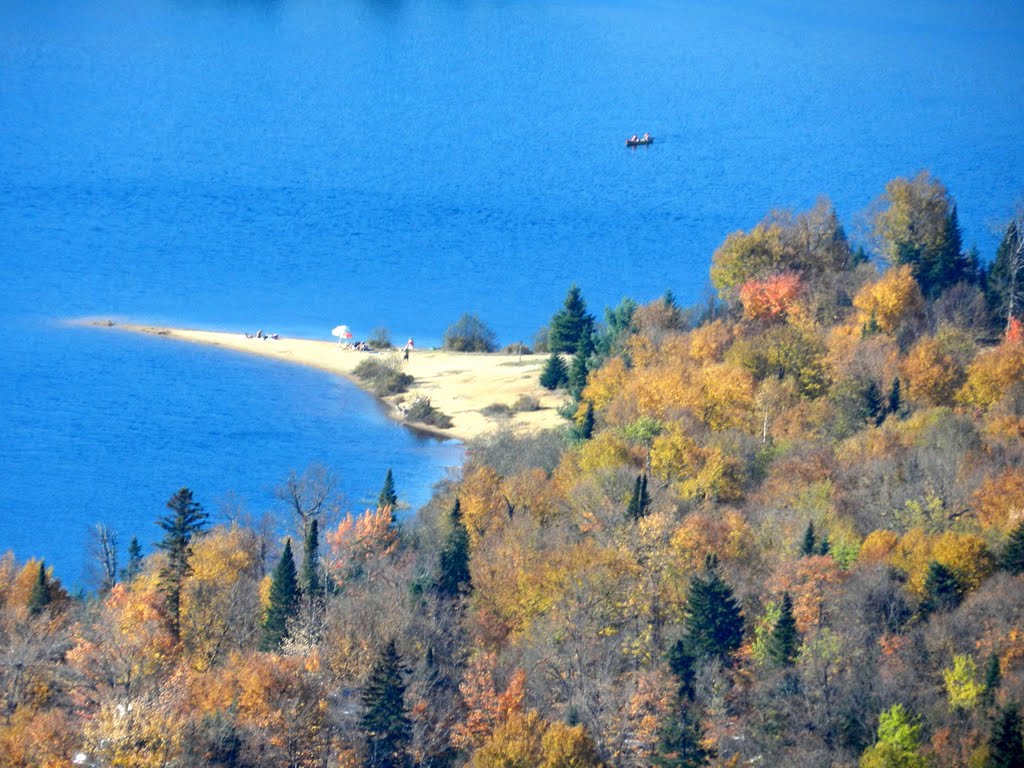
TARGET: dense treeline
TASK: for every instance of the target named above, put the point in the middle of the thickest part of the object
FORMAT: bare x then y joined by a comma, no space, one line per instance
786,528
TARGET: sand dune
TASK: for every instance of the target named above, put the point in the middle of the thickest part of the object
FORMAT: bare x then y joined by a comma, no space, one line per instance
458,384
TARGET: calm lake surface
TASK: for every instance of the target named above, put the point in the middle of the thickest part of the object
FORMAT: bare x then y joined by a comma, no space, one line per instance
295,164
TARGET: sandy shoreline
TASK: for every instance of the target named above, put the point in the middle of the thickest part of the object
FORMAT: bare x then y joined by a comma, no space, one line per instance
459,384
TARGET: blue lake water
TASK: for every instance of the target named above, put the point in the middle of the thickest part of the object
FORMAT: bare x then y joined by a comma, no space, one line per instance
295,164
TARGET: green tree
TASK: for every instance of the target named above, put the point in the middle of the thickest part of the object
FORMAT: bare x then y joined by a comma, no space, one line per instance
993,679
387,728
943,591
713,620
1005,744
453,566
571,324
310,582
895,400
679,742
284,601
586,427
185,522
388,497
1004,283
1013,555
40,596
134,566
470,334
640,501
578,371
784,641
808,546
873,405
554,374
899,742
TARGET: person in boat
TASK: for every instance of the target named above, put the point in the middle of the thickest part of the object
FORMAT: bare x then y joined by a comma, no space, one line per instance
633,138
647,137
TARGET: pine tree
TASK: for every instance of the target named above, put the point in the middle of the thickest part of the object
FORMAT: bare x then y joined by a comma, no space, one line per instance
714,622
1006,745
284,601
384,721
679,742
1013,556
644,498
808,545
186,521
874,409
894,401
586,428
570,324
453,567
387,497
134,566
309,580
1004,283
993,679
784,641
633,508
554,374
578,374
41,595
942,590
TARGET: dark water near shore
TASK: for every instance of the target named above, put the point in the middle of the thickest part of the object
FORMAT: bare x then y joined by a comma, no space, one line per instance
295,164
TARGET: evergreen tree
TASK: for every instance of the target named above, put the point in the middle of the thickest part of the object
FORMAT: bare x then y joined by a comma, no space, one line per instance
554,374
644,500
942,590
384,721
874,409
1004,283
823,546
1006,745
713,620
895,399
453,568
586,428
993,679
578,374
683,665
186,521
1013,555
388,497
284,601
570,324
679,742
41,595
784,641
134,566
309,580
808,546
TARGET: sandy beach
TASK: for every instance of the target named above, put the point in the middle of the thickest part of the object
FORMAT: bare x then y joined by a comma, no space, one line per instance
459,384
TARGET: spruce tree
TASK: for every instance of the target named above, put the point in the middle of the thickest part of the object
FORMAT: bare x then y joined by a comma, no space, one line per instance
713,620
993,679
453,567
41,595
387,497
633,508
874,409
578,374
895,400
554,374
942,590
309,580
284,601
1005,744
1004,283
645,498
1013,556
679,742
387,728
134,566
570,324
186,521
784,641
808,545
586,428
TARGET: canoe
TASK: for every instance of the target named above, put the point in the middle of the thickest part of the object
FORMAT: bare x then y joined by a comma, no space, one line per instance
639,142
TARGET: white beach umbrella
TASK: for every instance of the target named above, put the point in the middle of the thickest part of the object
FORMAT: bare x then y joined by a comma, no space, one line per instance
342,332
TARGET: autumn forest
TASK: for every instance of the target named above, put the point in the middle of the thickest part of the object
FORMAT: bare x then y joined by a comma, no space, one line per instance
781,528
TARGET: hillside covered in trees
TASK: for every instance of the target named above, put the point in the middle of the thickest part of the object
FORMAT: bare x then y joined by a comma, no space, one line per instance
782,529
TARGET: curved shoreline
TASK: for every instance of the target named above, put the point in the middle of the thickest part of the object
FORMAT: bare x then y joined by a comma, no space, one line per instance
459,384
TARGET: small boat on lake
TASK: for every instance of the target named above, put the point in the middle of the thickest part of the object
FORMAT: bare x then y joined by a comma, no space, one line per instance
639,141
